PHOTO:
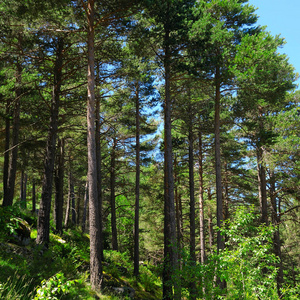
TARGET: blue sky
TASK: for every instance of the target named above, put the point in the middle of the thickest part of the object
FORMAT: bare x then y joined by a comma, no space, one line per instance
282,17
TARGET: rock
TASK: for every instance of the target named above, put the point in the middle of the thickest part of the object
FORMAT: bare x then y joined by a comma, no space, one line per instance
124,291
22,231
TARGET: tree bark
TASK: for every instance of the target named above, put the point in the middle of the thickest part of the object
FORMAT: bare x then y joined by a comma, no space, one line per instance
33,196
178,210
43,227
72,196
276,238
261,172
8,200
218,167
210,224
6,154
193,290
220,240
137,185
78,205
114,232
59,187
262,186
170,269
86,201
201,201
68,208
96,276
23,189
99,170
226,194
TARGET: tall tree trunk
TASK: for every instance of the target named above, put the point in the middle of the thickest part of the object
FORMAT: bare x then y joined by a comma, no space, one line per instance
201,201
78,204
226,195
178,211
99,171
59,187
114,232
33,196
73,204
262,186
23,189
218,166
86,200
96,276
170,270
201,206
137,184
276,237
43,227
261,172
6,154
210,230
15,139
68,208
193,290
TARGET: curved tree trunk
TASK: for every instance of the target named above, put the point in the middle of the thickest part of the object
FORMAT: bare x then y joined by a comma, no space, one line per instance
69,200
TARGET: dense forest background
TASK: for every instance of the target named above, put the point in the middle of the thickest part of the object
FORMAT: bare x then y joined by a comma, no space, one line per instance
152,147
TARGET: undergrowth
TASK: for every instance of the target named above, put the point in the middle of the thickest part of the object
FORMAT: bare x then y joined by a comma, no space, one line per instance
62,271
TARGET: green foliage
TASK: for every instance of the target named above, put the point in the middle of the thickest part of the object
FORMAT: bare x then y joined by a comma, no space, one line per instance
149,281
9,221
118,259
248,264
56,287
16,287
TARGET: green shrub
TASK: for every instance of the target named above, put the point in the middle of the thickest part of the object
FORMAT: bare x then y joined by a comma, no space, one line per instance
8,221
54,288
148,280
248,263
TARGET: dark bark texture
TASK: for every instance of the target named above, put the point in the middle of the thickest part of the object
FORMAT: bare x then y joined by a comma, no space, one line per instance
45,203
170,279
94,215
59,187
114,232
137,185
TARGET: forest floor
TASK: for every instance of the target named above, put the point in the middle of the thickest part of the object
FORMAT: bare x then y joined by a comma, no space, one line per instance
62,271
